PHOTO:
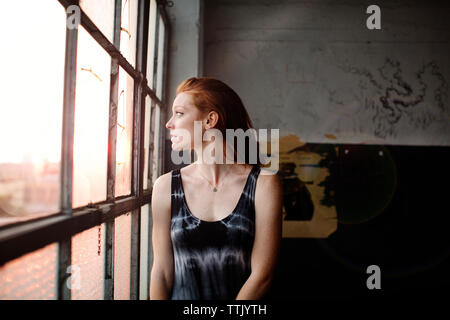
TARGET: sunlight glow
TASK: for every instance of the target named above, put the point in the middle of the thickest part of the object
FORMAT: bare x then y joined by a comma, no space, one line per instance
31,91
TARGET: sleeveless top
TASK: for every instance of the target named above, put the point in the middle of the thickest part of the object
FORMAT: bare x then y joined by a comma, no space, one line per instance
211,258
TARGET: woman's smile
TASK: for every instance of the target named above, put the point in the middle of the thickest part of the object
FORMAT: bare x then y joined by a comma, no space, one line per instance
174,138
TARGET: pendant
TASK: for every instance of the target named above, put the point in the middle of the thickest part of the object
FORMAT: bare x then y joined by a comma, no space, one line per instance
215,190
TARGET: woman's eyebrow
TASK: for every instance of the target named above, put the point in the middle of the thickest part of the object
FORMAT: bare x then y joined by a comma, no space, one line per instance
178,106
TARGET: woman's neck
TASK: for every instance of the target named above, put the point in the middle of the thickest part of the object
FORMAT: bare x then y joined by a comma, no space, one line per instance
212,153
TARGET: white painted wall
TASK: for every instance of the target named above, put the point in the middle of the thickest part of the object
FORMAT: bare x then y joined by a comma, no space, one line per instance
313,69
186,43
185,54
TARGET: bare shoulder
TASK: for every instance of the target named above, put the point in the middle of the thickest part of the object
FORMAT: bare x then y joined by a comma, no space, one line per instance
187,171
268,182
268,188
161,193
268,198
163,182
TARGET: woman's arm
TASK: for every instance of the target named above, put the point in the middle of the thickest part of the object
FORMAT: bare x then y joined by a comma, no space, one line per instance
266,247
161,278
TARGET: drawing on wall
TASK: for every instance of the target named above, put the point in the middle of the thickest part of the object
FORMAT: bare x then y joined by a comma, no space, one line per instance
296,196
416,101
307,174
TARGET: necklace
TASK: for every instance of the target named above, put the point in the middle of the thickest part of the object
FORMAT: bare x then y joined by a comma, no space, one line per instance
214,188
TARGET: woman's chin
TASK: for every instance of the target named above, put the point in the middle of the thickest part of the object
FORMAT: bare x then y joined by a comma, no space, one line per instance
177,147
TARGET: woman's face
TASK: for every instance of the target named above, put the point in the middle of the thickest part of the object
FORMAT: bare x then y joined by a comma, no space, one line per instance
181,124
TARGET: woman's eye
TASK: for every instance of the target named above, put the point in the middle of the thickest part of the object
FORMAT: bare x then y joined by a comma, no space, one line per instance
178,113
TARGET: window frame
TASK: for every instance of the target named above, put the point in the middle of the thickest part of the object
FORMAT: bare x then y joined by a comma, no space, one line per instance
19,238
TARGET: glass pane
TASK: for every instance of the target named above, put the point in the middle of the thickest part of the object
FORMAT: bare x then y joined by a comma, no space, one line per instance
90,153
128,30
146,139
101,12
88,254
151,43
159,79
146,252
124,133
156,150
30,277
122,257
31,91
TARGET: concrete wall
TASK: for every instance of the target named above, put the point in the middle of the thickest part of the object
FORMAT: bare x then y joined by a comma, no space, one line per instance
313,69
186,43
185,55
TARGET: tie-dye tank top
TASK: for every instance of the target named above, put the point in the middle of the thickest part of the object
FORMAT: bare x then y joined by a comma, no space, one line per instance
212,258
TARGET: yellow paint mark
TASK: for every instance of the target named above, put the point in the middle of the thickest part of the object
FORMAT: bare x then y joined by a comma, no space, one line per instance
289,142
330,136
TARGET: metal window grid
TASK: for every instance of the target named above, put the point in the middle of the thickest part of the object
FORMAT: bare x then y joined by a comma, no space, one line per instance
23,237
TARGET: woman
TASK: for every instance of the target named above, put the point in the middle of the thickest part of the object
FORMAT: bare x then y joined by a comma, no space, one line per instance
216,225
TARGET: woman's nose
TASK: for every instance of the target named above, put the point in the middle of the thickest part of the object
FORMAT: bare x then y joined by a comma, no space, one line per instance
169,124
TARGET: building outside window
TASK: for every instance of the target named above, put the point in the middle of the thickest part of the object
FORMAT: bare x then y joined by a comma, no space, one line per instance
81,123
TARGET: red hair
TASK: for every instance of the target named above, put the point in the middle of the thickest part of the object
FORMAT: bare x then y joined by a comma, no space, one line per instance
210,94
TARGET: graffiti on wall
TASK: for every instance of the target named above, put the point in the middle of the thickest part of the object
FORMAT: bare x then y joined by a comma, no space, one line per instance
307,173
415,101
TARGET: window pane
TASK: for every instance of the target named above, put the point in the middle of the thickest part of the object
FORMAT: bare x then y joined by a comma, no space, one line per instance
101,12
31,91
159,79
128,30
122,256
30,277
151,43
88,254
146,252
147,139
90,152
156,141
124,133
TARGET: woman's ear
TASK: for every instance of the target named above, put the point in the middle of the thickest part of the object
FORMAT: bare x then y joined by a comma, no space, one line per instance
211,119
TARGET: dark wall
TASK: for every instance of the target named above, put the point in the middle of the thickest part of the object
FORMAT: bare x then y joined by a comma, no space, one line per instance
394,215
409,239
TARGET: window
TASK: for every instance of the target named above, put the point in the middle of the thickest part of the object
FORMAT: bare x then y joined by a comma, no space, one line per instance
30,277
122,256
124,133
146,254
84,128
88,257
90,149
31,110
101,12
